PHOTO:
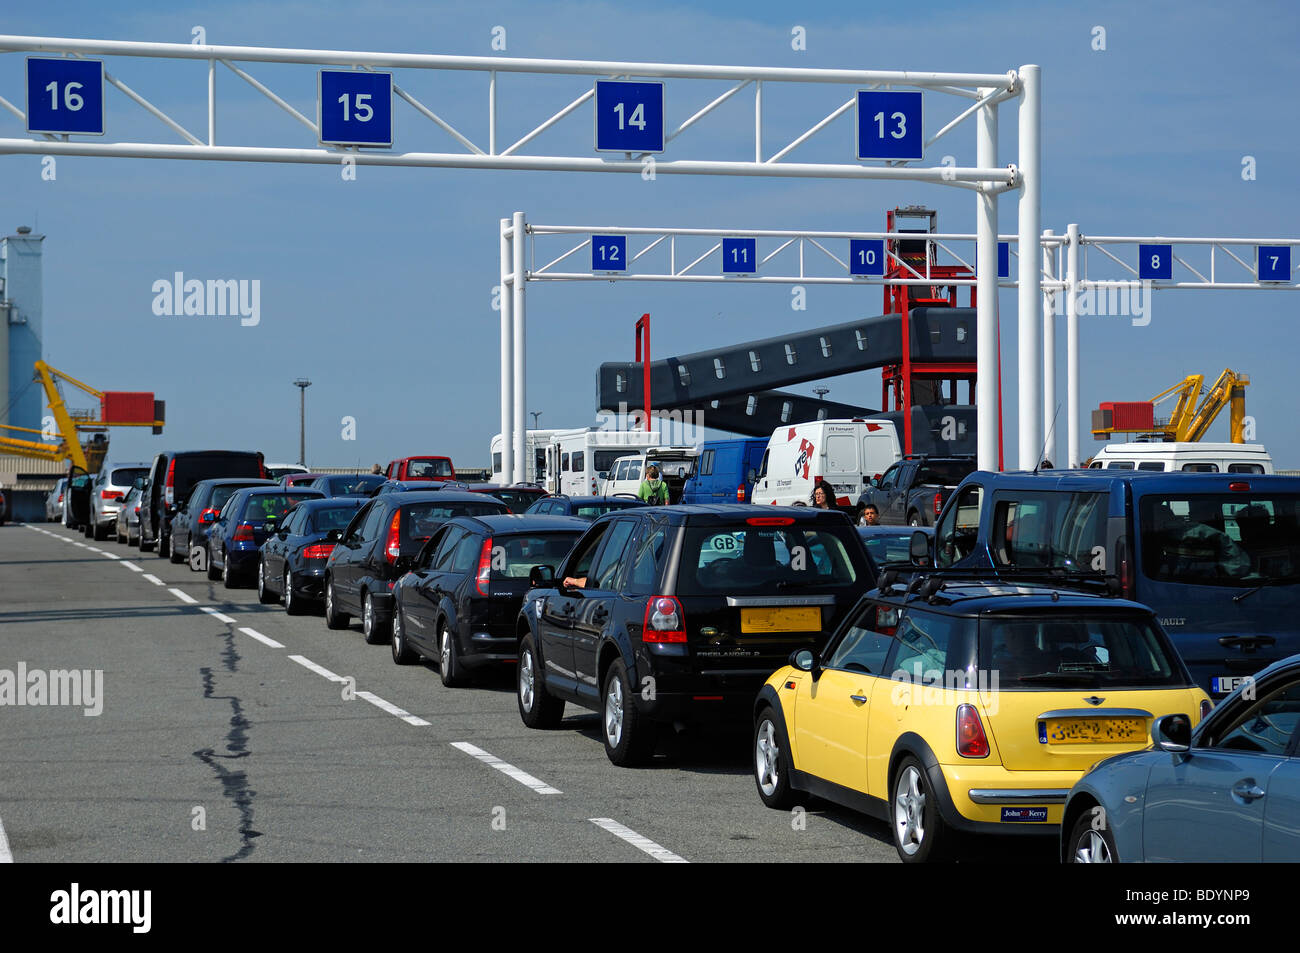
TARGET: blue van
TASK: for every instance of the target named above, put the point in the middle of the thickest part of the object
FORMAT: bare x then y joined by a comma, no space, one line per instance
1216,556
725,471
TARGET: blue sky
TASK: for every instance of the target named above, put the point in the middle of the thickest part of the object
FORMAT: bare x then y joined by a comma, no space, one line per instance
379,290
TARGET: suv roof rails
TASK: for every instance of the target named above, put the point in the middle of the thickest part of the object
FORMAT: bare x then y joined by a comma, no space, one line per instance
927,582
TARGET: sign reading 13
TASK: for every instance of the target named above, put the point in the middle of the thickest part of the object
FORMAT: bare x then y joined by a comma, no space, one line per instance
889,125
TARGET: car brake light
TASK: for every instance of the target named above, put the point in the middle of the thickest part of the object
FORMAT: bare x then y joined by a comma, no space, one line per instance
207,516
1207,706
318,551
971,740
1239,487
60,497
664,620
394,547
484,567
110,494
137,509
243,533
770,520
740,493
938,503
169,490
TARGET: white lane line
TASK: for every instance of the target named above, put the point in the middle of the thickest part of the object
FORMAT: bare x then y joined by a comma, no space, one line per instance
319,670
94,550
661,854
153,579
131,566
392,709
183,596
524,778
265,640
5,856
111,555
219,616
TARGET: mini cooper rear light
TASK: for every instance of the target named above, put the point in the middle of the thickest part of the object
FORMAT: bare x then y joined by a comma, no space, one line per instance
394,547
770,520
318,551
971,740
484,567
664,620
243,533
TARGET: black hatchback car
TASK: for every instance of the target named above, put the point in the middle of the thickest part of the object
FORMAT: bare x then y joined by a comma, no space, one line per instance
293,559
380,544
665,614
583,507
459,602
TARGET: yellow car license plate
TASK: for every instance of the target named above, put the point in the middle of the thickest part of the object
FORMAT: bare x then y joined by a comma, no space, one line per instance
802,619
1084,731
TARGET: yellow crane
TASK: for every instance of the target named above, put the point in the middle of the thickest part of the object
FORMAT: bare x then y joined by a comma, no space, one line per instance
128,408
1195,409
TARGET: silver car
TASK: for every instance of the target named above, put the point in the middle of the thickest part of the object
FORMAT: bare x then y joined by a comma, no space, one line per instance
127,527
110,485
54,502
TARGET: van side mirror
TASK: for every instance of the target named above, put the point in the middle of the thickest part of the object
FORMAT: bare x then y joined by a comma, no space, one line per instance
751,476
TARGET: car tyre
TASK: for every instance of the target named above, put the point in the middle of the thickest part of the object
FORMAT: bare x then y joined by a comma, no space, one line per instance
333,618
914,519
293,605
175,554
920,834
402,653
629,737
213,572
264,595
164,544
537,707
100,533
772,761
449,667
228,579
1091,841
375,630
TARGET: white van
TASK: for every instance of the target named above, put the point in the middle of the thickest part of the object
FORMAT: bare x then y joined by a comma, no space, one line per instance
574,462
844,453
1186,457
676,464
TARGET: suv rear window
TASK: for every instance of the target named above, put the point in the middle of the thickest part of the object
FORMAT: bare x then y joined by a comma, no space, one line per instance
428,469
125,476
744,558
514,556
944,473
1228,539
1051,652
191,468
357,483
331,517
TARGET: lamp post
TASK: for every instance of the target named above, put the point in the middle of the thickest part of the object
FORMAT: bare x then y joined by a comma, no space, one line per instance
537,415
821,392
302,384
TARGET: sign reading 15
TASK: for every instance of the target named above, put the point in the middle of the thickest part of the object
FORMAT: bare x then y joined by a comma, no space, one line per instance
356,108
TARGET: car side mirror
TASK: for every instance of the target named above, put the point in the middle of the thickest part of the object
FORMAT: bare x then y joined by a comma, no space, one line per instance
1172,733
541,577
334,535
805,660
603,474
918,549
751,476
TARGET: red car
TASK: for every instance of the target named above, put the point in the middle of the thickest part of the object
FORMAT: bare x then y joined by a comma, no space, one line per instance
438,469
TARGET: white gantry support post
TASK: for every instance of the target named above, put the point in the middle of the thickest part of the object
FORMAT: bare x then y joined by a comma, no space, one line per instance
1072,346
1030,291
504,296
1049,352
519,416
987,382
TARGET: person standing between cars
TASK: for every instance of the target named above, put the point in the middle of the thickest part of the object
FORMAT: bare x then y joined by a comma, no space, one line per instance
374,468
823,496
653,489
870,515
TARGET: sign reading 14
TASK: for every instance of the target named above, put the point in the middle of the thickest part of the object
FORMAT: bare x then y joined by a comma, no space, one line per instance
629,116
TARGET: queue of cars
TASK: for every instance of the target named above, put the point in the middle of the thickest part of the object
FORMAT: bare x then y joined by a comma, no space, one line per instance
1004,672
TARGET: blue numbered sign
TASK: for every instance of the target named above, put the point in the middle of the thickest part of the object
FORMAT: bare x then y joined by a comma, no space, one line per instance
889,125
1004,259
65,96
629,116
867,257
356,108
609,253
1274,262
1156,262
739,256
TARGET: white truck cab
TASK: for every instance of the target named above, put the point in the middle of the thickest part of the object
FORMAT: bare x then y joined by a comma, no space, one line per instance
844,453
1187,457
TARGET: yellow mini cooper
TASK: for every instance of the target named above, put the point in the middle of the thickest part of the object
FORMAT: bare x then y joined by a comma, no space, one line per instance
963,703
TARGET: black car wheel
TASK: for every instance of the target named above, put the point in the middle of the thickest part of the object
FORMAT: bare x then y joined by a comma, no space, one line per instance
333,618
1091,841
228,578
164,544
771,761
914,519
292,604
449,666
374,629
402,654
213,572
537,707
100,533
629,738
264,595
175,553
920,834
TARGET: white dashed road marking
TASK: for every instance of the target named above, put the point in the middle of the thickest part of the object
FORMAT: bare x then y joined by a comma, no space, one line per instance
219,616
392,709
524,778
186,597
662,854
153,579
131,566
319,670
5,856
254,634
